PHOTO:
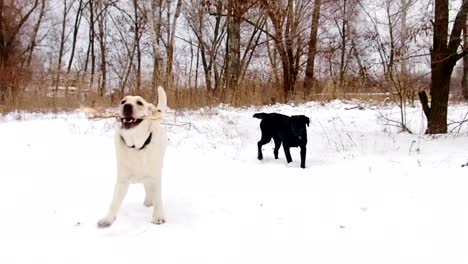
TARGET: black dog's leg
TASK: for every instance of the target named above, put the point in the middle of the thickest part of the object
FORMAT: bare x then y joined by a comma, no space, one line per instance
277,146
287,153
262,142
303,156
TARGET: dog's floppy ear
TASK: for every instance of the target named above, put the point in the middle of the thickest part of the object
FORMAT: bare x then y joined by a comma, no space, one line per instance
306,120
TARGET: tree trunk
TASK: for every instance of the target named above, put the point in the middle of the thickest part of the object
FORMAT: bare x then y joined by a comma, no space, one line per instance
92,37
102,47
287,80
440,88
290,33
4,57
272,56
289,73
344,34
284,44
209,47
37,26
62,44
233,46
403,43
443,59
197,64
309,81
9,66
155,24
464,82
76,27
170,46
137,34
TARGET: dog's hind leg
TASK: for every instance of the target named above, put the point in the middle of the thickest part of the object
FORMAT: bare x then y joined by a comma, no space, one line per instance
277,146
119,193
303,156
287,153
263,141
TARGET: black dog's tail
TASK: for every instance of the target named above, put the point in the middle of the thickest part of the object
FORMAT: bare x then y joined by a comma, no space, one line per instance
260,115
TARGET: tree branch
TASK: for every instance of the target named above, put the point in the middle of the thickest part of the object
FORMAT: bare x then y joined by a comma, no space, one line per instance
425,103
21,23
460,20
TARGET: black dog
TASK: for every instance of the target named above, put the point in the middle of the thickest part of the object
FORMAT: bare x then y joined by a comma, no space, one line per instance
291,131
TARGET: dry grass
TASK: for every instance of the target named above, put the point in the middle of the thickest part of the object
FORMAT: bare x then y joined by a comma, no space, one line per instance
245,95
248,94
38,102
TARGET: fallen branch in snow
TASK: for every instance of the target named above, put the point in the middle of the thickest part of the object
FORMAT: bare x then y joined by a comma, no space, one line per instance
391,122
355,107
180,124
189,124
459,124
96,114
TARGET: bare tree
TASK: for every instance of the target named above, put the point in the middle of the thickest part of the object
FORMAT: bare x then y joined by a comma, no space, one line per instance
66,10
12,21
209,31
343,31
33,42
309,81
235,12
76,27
272,57
464,82
137,28
444,56
389,36
171,32
91,51
102,8
285,20
124,49
253,42
154,20
97,16
403,50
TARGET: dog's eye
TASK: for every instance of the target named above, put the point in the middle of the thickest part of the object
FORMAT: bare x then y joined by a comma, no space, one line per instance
139,103
123,102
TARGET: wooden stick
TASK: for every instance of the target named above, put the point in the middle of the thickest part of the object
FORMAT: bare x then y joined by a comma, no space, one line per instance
95,114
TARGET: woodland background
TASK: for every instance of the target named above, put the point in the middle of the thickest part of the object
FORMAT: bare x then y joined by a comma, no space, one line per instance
63,54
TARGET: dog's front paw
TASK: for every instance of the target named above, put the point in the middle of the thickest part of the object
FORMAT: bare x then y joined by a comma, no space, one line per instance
103,223
260,157
158,220
148,203
303,166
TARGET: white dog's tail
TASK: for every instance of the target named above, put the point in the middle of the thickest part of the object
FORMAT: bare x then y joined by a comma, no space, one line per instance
162,99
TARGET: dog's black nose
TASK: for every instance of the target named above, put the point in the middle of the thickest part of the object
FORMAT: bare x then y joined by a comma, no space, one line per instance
127,110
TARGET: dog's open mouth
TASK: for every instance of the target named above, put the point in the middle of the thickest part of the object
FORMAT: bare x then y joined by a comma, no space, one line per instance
130,122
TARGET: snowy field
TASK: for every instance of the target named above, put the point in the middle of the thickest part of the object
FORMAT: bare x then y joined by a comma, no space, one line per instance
369,194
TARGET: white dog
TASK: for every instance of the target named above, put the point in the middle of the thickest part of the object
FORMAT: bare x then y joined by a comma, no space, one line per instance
140,144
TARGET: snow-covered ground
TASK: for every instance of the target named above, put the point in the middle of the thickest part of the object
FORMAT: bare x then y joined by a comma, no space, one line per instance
369,194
